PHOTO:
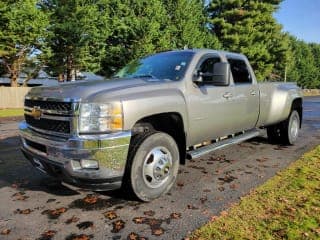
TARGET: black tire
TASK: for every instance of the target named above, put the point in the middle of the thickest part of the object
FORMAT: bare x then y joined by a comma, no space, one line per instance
290,129
285,132
273,133
151,152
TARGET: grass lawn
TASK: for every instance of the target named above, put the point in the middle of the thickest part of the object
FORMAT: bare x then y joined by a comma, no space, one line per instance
286,207
11,112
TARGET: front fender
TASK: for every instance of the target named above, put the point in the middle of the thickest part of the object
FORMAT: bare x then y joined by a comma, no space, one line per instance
141,105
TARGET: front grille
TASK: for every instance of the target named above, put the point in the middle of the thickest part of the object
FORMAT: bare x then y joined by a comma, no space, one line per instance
49,105
49,124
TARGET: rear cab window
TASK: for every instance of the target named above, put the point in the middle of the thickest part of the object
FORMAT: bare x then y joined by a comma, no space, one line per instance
240,71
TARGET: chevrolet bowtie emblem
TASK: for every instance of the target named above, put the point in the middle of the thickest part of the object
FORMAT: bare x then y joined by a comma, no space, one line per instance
36,112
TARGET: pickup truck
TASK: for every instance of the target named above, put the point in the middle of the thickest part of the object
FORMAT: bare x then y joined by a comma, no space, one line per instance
135,129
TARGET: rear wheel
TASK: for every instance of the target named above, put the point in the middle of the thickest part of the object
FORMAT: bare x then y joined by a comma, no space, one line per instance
287,131
290,129
153,166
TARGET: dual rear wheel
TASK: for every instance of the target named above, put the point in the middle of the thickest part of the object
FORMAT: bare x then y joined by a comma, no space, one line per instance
285,132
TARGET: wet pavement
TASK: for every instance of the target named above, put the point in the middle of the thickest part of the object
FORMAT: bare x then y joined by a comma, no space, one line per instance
35,206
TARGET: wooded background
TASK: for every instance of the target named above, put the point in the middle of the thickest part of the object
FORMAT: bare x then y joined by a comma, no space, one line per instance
66,36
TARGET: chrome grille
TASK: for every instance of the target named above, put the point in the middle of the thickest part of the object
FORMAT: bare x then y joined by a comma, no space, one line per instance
50,116
49,124
48,105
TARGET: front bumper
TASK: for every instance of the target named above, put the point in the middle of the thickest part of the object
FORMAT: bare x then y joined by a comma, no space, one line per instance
60,157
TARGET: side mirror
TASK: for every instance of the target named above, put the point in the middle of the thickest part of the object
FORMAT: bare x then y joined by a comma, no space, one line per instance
221,74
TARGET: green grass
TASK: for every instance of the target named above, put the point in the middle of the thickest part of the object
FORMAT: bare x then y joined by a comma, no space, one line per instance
285,207
11,112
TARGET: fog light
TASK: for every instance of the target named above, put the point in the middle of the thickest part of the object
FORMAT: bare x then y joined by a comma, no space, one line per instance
91,164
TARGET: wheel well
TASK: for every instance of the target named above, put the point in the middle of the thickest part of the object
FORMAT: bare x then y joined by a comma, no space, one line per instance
170,123
297,105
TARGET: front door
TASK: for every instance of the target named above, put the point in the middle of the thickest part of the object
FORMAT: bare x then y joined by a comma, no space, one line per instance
211,108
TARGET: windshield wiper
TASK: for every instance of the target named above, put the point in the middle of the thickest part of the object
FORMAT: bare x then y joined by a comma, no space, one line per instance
143,76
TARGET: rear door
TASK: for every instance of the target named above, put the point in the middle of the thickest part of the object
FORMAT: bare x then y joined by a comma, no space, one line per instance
246,95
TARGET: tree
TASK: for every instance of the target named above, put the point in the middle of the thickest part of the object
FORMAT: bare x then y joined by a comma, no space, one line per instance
250,28
136,30
144,27
304,69
78,31
187,24
22,35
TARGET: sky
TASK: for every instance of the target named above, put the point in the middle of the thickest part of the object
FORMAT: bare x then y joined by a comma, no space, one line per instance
301,19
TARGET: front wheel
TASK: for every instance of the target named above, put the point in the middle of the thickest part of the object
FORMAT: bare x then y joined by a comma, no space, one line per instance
154,166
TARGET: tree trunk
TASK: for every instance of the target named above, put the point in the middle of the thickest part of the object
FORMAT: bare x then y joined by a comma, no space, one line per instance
61,77
14,78
69,67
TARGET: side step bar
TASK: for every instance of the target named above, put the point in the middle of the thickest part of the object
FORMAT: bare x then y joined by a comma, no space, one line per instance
221,144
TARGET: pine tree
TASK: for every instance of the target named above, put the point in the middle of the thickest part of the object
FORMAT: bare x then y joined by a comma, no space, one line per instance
250,28
78,31
304,70
22,35
187,24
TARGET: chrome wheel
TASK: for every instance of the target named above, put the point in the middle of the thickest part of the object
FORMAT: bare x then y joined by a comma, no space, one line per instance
294,129
157,167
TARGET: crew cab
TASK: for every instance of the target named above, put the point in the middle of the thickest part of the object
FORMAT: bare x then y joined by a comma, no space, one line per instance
133,130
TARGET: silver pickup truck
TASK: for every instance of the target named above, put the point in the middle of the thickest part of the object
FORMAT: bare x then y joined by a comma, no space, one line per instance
134,130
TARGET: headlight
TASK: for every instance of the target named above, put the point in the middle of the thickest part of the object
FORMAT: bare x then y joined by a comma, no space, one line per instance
98,117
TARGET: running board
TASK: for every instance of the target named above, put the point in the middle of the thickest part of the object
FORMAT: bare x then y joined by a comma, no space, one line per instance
221,144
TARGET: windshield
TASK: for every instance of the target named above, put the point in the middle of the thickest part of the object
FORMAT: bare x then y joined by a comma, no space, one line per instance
167,65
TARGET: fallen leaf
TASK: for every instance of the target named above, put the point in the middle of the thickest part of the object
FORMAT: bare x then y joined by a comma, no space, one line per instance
73,219
48,234
149,213
24,211
91,199
153,222
110,215
157,231
180,184
55,213
191,206
227,178
5,231
175,215
20,196
85,225
118,226
139,220
133,236
79,237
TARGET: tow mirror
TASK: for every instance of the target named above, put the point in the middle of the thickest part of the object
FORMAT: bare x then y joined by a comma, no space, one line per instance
221,74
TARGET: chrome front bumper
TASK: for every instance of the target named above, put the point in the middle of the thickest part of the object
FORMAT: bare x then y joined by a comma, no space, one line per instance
60,157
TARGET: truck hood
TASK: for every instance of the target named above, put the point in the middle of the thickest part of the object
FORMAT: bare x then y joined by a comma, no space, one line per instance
86,90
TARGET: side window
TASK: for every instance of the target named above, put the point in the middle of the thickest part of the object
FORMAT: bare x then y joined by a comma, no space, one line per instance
206,68
239,71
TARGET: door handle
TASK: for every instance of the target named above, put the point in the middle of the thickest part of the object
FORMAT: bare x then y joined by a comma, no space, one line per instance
227,95
253,93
